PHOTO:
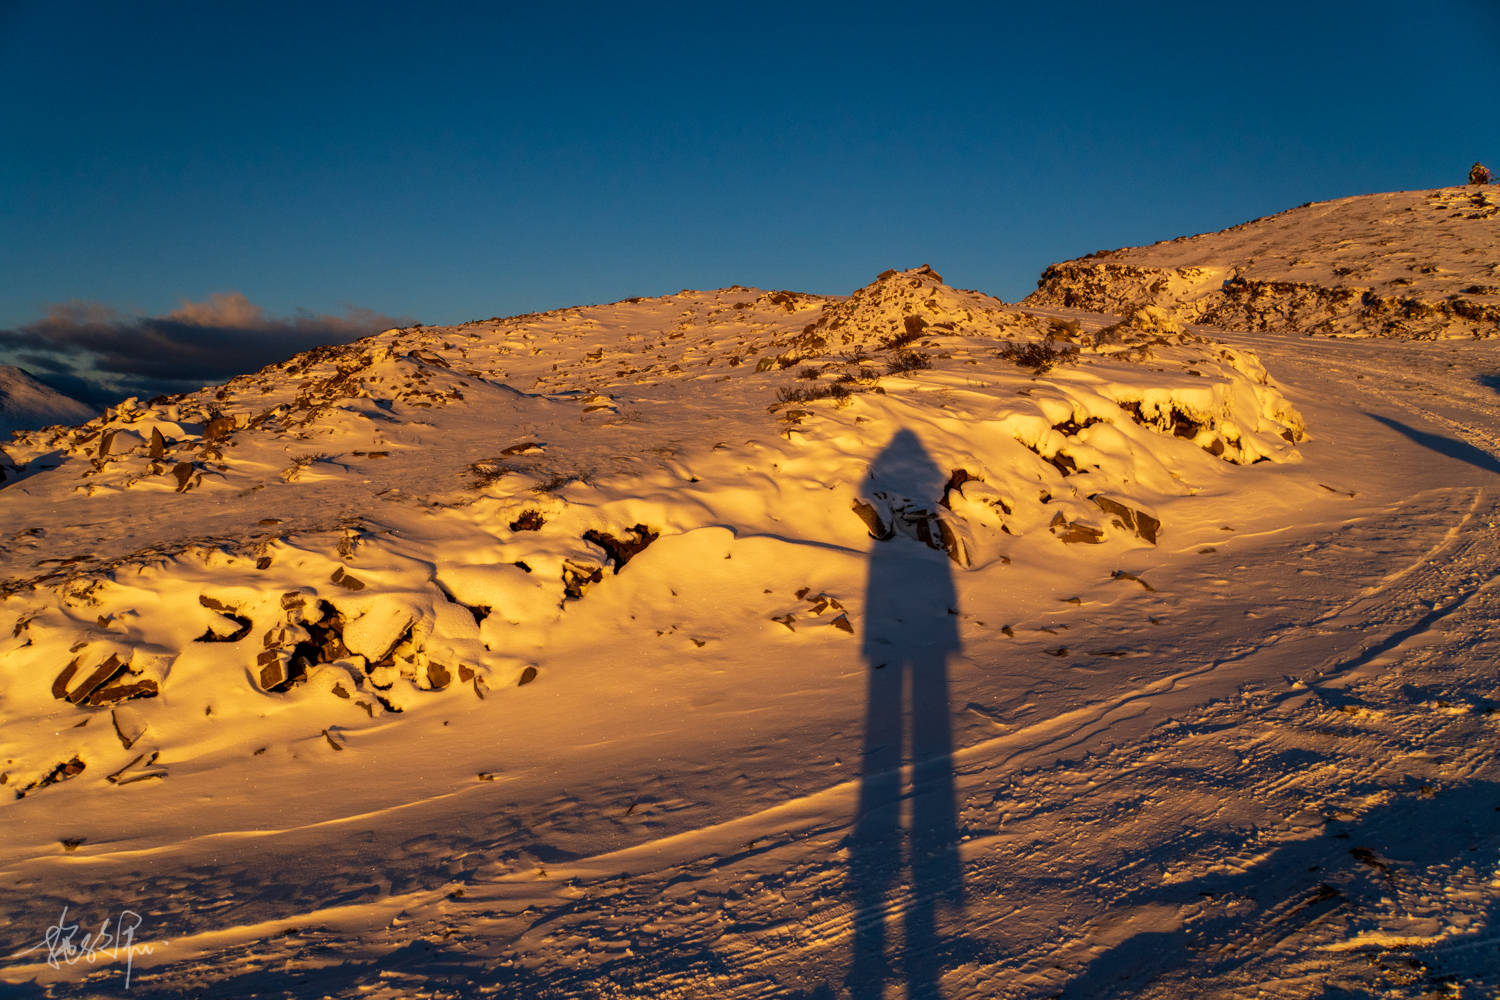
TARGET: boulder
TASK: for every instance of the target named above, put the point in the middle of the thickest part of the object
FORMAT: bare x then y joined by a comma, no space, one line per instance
108,682
622,549
1072,532
877,528
1143,525
578,577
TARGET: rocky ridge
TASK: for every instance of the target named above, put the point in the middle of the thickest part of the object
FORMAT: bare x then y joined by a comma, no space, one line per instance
1416,264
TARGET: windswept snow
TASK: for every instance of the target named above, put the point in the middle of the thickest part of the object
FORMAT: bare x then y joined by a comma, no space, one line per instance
742,643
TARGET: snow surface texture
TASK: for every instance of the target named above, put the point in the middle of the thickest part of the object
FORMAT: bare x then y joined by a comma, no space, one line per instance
26,403
1412,264
757,644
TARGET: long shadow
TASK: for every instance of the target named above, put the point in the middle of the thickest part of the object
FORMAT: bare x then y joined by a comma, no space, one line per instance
1443,445
911,628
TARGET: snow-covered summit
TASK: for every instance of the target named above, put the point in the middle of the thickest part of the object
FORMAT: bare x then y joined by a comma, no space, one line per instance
26,403
1422,264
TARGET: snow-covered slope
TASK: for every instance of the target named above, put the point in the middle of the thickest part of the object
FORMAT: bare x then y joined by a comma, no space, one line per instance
756,644
338,537
1422,264
26,403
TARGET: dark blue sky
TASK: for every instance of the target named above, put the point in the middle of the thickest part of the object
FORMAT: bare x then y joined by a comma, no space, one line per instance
446,162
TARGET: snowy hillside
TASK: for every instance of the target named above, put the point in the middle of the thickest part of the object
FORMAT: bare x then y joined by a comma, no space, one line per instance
336,538
1423,264
748,644
26,403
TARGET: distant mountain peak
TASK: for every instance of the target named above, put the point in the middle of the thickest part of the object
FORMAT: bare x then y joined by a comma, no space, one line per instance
26,403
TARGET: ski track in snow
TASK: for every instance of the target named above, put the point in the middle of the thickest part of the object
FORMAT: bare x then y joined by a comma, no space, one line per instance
1304,807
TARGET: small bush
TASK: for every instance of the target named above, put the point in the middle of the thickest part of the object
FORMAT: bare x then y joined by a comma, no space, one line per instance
908,361
864,374
1479,174
839,392
1039,357
913,329
530,520
800,394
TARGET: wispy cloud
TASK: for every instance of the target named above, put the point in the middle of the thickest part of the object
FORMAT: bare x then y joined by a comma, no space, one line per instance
99,355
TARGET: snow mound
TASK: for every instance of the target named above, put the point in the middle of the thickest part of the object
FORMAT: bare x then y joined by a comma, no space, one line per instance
430,514
1414,264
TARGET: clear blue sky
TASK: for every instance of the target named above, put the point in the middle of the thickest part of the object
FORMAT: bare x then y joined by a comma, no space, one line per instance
443,161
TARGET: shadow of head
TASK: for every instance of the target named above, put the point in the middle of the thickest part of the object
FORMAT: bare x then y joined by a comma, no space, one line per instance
904,468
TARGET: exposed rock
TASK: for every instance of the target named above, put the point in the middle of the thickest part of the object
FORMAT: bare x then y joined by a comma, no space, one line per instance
279,669
577,577
1254,276
871,517
1120,574
219,427
109,682
61,772
956,481
129,726
347,580
186,474
1075,531
621,550
220,631
912,519
1137,521
951,543
142,768
293,648
158,447
527,676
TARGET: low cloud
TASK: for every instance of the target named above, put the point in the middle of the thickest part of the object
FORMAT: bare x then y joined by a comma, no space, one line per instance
100,356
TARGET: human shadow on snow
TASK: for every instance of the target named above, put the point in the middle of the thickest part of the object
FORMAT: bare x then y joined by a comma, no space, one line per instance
910,631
